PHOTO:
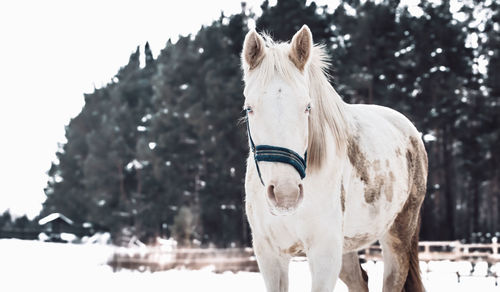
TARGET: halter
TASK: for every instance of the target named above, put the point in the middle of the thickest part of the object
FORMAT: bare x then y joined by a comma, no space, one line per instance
276,154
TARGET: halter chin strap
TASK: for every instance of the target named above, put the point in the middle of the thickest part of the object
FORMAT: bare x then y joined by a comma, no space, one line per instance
276,154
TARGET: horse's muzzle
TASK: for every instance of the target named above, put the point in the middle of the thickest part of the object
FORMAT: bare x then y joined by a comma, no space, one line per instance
285,197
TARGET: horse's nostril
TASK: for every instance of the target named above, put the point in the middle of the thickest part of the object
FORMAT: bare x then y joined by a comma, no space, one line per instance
270,193
301,193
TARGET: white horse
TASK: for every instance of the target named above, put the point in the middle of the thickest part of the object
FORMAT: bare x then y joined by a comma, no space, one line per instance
365,179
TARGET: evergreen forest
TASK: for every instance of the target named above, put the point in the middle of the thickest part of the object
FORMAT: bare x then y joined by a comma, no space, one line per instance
160,151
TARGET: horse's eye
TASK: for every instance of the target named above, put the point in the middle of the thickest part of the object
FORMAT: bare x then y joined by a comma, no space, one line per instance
308,108
248,109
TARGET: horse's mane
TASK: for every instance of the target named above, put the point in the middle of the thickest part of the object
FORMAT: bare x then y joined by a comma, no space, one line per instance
328,111
328,108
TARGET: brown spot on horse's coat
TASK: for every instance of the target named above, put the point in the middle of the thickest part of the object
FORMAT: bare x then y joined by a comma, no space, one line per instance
381,180
402,237
357,241
388,189
296,249
416,162
358,159
342,197
361,165
374,189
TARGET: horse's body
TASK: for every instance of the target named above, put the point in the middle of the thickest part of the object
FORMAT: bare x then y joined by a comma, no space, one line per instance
366,174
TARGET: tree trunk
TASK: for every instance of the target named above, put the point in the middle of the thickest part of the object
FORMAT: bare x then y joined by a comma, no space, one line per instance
449,183
123,194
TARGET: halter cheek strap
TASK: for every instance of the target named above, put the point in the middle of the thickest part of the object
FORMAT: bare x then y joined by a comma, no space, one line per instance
276,154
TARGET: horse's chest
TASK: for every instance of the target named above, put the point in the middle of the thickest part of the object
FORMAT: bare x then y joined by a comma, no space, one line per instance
282,234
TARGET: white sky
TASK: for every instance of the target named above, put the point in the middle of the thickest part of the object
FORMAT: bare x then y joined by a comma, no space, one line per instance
51,52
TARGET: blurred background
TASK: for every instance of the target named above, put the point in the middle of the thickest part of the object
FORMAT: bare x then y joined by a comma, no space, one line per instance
120,119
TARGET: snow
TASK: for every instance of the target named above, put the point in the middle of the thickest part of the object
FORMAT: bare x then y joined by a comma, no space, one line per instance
429,137
68,237
135,164
146,118
41,266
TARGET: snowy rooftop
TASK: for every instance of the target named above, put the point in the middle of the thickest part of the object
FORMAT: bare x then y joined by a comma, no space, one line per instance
53,217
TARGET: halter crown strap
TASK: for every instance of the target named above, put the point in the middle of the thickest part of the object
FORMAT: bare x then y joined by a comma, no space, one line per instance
276,154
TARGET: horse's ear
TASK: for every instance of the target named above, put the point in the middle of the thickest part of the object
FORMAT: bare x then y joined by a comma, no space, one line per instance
253,49
302,43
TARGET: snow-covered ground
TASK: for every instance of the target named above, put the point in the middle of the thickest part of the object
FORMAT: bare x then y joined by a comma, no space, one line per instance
39,266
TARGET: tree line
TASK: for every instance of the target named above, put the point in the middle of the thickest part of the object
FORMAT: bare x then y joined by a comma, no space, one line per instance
158,151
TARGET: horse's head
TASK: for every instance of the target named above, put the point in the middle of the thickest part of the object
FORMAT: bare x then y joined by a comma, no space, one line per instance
278,104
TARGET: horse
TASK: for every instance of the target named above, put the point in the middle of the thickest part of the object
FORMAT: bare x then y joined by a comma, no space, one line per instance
324,178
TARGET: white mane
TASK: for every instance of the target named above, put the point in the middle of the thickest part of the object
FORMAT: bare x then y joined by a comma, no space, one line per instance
329,110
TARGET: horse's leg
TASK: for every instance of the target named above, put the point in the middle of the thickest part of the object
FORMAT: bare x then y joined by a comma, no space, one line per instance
400,251
273,267
352,274
325,261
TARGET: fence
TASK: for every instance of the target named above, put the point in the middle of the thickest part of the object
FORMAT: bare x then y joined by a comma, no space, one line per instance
158,259
242,259
447,250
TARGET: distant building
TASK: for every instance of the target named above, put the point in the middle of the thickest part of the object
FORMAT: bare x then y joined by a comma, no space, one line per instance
56,224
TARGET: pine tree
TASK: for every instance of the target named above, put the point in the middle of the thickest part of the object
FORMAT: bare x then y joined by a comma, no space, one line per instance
160,145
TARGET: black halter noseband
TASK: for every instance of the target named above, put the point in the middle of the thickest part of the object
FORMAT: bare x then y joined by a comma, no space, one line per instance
276,154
